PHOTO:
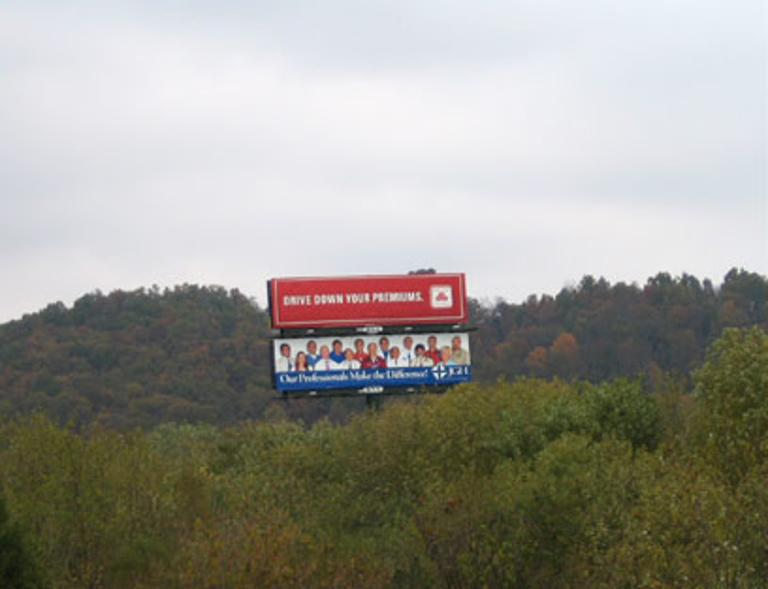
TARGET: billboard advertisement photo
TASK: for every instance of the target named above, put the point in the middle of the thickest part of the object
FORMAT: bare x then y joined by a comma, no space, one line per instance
354,301
371,361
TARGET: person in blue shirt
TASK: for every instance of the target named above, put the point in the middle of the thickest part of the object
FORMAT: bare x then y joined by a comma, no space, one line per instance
338,352
312,355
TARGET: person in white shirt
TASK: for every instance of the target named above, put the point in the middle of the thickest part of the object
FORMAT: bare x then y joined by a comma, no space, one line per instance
350,363
284,362
384,346
325,362
446,356
408,354
421,360
459,354
396,360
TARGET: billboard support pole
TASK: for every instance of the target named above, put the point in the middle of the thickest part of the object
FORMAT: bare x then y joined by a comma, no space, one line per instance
372,402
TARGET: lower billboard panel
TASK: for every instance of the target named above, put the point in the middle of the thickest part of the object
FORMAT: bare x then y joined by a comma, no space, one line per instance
372,379
371,362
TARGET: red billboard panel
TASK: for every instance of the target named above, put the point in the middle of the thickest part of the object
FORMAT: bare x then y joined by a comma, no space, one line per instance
359,301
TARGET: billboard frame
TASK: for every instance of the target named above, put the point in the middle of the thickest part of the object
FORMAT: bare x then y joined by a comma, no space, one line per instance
373,330
372,394
372,399
399,322
358,391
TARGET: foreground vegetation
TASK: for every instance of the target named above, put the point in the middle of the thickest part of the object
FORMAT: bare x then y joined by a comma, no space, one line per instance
530,483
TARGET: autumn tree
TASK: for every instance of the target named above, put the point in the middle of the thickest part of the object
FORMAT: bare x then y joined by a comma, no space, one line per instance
538,361
564,355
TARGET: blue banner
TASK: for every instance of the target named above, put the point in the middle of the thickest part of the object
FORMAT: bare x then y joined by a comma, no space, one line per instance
372,378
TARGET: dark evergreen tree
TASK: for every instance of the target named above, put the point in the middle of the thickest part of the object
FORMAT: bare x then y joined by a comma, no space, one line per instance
17,569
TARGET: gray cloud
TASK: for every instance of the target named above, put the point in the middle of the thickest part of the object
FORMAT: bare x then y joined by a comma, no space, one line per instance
526,143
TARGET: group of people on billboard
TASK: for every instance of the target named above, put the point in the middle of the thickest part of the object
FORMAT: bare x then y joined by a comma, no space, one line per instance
368,353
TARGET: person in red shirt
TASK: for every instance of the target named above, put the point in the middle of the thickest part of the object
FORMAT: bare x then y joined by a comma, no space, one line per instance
373,360
360,354
302,363
432,350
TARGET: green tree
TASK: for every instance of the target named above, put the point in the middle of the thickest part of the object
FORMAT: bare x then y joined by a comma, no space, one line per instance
17,568
732,388
622,409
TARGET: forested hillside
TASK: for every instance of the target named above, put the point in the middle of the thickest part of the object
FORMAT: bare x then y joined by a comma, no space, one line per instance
139,358
199,354
525,485
598,330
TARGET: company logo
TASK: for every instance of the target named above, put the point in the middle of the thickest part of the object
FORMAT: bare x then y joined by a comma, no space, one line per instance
441,296
440,372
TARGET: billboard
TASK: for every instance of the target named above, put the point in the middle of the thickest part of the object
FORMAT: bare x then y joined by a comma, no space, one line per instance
359,301
371,362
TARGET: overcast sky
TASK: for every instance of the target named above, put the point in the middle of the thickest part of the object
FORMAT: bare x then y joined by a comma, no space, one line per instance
524,142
